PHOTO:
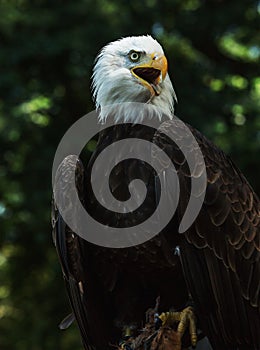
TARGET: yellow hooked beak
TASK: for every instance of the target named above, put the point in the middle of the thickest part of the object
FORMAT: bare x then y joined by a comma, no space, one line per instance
152,73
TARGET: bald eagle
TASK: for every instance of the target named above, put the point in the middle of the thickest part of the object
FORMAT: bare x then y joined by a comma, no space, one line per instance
217,266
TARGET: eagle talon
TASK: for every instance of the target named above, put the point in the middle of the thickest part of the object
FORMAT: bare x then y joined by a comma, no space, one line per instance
186,318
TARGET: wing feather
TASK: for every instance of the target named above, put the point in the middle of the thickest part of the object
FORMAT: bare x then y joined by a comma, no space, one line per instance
68,246
220,252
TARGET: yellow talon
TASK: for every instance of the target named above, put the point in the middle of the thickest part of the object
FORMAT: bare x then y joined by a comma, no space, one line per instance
186,318
168,318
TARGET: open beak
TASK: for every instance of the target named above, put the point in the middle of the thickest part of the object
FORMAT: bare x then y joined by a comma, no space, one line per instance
152,74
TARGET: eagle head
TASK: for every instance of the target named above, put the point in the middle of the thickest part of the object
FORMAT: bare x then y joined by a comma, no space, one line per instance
133,69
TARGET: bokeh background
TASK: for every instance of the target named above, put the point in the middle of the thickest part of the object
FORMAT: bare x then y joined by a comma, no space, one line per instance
47,49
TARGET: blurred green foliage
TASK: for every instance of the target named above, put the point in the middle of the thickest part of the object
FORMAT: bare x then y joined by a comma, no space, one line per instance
46,57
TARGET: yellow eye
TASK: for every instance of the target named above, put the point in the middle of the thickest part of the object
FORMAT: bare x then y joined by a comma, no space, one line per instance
134,56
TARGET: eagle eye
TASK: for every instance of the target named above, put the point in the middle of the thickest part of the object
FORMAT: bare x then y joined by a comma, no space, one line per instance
134,56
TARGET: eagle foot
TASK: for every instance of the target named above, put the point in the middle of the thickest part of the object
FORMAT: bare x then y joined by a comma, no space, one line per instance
185,319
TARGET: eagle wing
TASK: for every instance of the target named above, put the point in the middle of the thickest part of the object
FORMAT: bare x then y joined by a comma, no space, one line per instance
220,251
85,298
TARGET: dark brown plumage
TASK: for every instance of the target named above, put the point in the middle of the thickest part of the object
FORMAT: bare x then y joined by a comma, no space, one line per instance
219,254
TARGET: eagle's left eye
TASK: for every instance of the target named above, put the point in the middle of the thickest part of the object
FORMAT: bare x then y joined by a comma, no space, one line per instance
134,56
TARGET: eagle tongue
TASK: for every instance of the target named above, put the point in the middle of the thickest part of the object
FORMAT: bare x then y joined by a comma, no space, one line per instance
157,89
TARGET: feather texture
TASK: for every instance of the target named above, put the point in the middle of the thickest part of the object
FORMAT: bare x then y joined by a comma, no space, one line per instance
219,264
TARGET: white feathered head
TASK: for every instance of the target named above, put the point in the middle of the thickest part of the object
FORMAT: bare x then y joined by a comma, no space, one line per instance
133,69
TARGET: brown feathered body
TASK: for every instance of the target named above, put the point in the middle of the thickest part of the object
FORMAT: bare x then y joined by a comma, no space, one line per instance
218,264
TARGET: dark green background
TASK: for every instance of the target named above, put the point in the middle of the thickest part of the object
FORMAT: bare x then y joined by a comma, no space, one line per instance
46,58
